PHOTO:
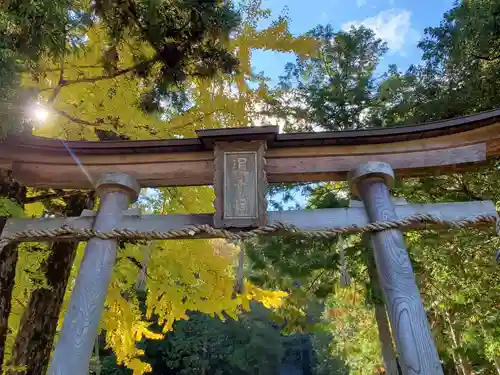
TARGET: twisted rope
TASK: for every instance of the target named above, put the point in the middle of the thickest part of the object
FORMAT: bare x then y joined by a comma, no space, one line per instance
192,231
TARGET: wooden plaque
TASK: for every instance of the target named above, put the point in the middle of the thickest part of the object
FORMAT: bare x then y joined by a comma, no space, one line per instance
240,184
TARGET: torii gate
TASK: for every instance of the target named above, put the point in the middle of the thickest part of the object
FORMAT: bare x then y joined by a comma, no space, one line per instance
238,163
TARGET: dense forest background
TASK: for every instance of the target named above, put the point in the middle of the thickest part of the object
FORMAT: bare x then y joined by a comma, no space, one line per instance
149,69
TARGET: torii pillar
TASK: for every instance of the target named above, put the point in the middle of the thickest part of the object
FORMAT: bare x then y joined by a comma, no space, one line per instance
81,323
411,330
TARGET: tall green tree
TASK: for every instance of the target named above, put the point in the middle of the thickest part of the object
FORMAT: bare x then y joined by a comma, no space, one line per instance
208,345
458,76
333,89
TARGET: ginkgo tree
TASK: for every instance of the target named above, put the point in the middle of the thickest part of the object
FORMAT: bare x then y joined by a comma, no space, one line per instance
98,90
81,97
37,37
189,275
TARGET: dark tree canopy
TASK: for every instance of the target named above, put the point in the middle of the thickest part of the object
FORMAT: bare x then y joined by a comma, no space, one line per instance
186,38
189,38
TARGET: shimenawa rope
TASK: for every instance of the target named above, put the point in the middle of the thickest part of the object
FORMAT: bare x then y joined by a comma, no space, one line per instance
192,231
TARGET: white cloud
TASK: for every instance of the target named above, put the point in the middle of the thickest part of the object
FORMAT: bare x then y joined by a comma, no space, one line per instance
360,3
393,26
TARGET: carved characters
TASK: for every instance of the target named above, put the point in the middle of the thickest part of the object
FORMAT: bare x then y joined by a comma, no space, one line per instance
241,185
242,176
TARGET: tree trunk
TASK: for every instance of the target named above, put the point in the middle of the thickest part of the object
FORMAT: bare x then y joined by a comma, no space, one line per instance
37,330
384,332
497,364
463,362
8,261
96,356
455,362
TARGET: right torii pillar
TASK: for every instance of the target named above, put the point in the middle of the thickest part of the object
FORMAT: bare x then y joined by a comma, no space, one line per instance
411,331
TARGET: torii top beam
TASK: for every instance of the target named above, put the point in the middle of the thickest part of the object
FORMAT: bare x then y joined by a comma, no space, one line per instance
428,148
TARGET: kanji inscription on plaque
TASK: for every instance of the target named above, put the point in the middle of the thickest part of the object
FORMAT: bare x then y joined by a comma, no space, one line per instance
240,185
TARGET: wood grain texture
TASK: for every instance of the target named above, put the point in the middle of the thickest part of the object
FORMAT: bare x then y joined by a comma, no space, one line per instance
426,149
304,219
412,334
226,189
76,339
318,167
170,172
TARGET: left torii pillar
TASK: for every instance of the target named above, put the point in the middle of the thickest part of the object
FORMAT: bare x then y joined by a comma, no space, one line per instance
81,323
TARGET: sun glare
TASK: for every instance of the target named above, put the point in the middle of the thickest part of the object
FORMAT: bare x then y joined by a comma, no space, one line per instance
40,113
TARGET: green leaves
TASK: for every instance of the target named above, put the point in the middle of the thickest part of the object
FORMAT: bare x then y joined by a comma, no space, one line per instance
207,345
337,83
189,38
10,208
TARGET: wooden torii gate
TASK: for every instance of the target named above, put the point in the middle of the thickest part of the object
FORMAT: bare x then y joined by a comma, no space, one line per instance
239,163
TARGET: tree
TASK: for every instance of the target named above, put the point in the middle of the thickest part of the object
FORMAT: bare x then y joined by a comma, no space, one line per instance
37,33
92,93
33,343
12,197
210,345
451,82
88,98
28,31
333,89
459,76
354,330
189,39
24,40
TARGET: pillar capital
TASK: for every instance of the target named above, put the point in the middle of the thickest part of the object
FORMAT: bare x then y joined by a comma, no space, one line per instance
370,169
118,182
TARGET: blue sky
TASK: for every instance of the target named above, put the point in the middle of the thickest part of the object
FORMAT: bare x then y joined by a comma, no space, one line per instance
400,23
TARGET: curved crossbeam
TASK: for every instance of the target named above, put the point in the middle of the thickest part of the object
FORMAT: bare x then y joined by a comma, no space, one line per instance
297,157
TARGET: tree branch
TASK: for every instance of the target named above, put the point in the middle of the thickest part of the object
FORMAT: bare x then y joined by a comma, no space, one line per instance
199,118
143,64
78,120
132,12
100,122
138,264
316,279
51,70
58,88
486,58
440,292
130,9
69,82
